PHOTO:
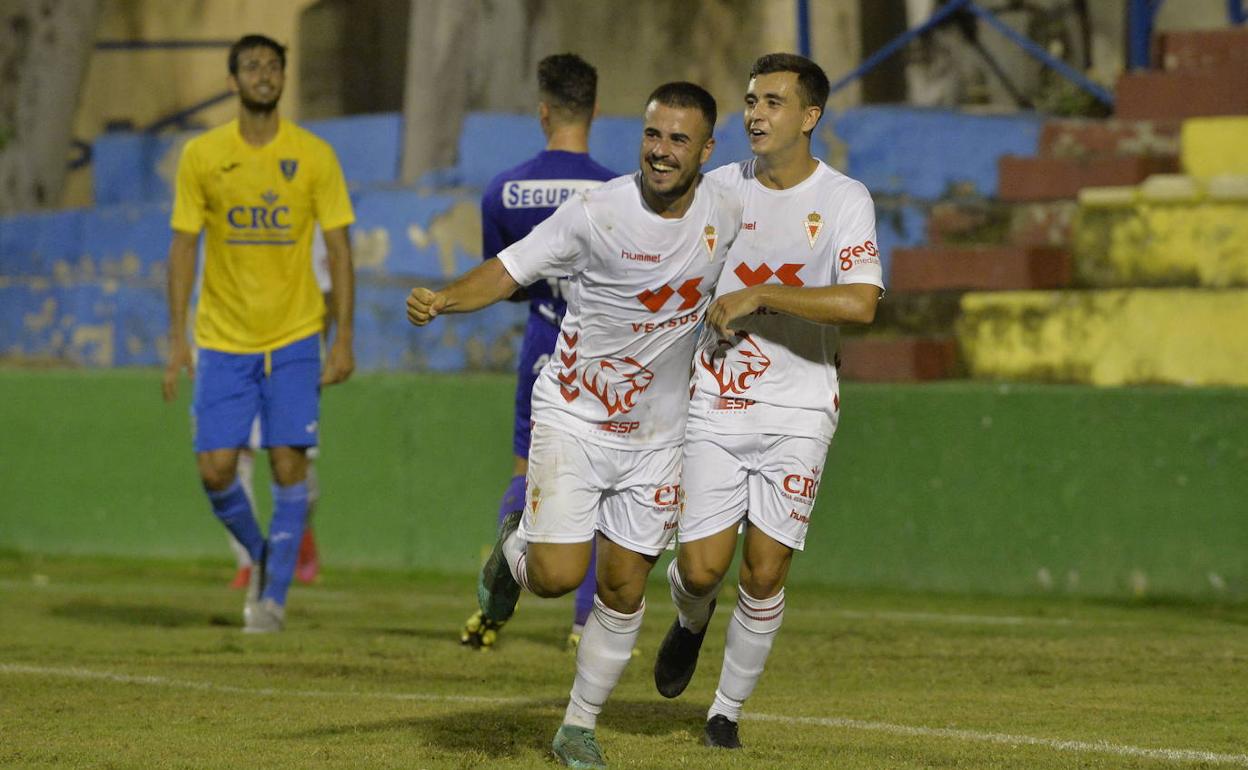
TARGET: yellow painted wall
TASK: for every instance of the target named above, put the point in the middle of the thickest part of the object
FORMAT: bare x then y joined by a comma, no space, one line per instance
1213,146
1108,338
1196,240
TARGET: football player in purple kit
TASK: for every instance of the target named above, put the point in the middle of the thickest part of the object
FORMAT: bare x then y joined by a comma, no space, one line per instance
514,203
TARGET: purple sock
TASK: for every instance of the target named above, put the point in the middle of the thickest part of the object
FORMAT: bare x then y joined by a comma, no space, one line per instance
585,591
513,498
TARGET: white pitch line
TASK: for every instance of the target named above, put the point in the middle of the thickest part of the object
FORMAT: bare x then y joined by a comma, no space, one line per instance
941,617
1101,747
1005,739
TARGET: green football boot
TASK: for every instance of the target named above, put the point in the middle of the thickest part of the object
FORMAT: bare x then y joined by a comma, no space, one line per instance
577,747
497,590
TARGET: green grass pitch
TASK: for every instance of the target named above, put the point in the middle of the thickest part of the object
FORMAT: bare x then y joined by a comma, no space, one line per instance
117,663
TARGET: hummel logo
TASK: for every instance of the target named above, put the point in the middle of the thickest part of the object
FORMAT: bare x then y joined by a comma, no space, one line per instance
310,427
270,197
228,167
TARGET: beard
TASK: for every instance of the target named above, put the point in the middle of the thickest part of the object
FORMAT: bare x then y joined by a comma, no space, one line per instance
259,106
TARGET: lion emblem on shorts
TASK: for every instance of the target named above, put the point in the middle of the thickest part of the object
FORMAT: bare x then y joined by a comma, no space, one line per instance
617,382
735,364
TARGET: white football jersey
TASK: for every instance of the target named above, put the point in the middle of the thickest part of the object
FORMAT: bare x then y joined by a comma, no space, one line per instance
779,374
640,284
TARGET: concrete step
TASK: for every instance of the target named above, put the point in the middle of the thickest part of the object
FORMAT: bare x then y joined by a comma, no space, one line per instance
1170,231
1048,179
1182,94
1202,49
986,268
1215,146
1087,138
898,359
986,222
1109,337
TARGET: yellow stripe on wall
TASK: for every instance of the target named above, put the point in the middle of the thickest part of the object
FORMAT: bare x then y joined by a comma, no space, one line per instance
1110,337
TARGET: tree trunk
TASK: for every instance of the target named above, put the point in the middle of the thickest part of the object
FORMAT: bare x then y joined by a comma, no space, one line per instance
45,46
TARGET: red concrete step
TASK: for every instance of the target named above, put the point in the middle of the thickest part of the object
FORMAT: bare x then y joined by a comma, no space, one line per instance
1047,223
986,268
1202,49
1047,179
1181,94
1087,138
898,359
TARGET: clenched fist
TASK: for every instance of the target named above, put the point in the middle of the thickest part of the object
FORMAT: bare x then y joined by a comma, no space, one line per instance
423,305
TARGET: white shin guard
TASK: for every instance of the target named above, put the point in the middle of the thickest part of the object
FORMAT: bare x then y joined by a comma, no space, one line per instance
754,625
605,649
693,611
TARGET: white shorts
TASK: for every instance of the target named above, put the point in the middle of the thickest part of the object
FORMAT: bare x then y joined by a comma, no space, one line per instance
576,488
771,479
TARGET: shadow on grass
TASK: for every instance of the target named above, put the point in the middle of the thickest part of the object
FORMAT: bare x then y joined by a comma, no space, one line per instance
507,730
158,616
555,640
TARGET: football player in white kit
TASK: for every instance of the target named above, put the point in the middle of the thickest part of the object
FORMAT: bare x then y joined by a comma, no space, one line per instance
644,252
766,398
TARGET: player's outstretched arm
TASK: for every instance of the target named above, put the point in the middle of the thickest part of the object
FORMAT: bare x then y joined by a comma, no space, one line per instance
340,361
482,286
851,303
181,279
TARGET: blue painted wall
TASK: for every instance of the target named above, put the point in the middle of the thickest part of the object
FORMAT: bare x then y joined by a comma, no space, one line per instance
87,286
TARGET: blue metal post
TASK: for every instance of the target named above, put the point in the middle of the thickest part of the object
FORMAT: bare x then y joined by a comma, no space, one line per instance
1140,17
803,27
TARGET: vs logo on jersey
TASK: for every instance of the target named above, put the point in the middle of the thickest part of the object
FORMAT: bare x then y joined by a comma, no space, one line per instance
289,166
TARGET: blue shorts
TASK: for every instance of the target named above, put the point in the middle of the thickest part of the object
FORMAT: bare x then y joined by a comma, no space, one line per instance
540,336
283,387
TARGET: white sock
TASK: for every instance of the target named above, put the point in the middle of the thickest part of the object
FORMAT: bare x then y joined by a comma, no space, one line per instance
241,557
314,490
750,634
605,649
245,470
693,611
514,552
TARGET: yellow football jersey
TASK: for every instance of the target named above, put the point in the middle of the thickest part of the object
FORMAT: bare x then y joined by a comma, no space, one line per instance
258,206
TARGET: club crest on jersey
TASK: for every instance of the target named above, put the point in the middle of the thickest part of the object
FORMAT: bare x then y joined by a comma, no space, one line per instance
814,225
289,166
709,238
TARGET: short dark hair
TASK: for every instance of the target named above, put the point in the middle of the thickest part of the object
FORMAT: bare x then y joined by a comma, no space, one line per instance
684,94
812,83
569,83
248,42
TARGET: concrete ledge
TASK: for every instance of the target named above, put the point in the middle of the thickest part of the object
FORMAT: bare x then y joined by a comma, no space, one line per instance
1110,337
1165,241
1085,138
1213,146
1185,94
1203,49
1046,179
900,359
993,268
